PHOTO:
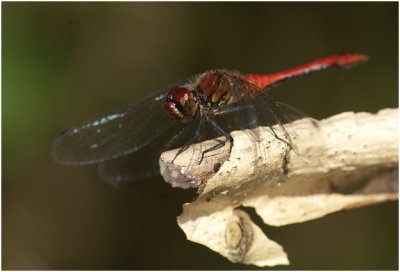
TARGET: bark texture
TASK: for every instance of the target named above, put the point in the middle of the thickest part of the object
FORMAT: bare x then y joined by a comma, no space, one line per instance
346,161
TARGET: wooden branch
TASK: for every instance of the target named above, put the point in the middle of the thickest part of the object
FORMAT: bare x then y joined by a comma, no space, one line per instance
351,160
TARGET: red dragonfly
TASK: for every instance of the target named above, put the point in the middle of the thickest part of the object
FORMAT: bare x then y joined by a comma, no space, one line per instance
208,105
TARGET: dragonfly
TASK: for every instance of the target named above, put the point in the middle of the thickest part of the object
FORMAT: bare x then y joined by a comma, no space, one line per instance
125,143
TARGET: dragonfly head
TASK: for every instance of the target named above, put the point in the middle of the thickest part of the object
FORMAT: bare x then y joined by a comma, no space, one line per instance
180,104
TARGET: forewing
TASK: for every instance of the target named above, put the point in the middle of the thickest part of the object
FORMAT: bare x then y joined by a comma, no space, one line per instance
118,133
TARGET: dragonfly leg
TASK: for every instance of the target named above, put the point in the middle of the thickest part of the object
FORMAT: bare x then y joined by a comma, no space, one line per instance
220,143
273,107
192,139
286,157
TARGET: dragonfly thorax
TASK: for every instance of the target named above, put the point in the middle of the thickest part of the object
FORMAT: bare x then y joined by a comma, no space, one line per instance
180,103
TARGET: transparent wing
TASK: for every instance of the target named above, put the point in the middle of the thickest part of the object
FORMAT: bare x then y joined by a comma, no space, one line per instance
121,132
136,166
271,112
143,163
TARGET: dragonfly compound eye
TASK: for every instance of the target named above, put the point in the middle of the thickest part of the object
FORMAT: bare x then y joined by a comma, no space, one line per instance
180,104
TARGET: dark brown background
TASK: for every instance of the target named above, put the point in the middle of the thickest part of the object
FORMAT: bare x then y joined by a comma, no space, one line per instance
63,63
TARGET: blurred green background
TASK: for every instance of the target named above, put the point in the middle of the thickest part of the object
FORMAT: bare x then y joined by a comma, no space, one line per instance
65,62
